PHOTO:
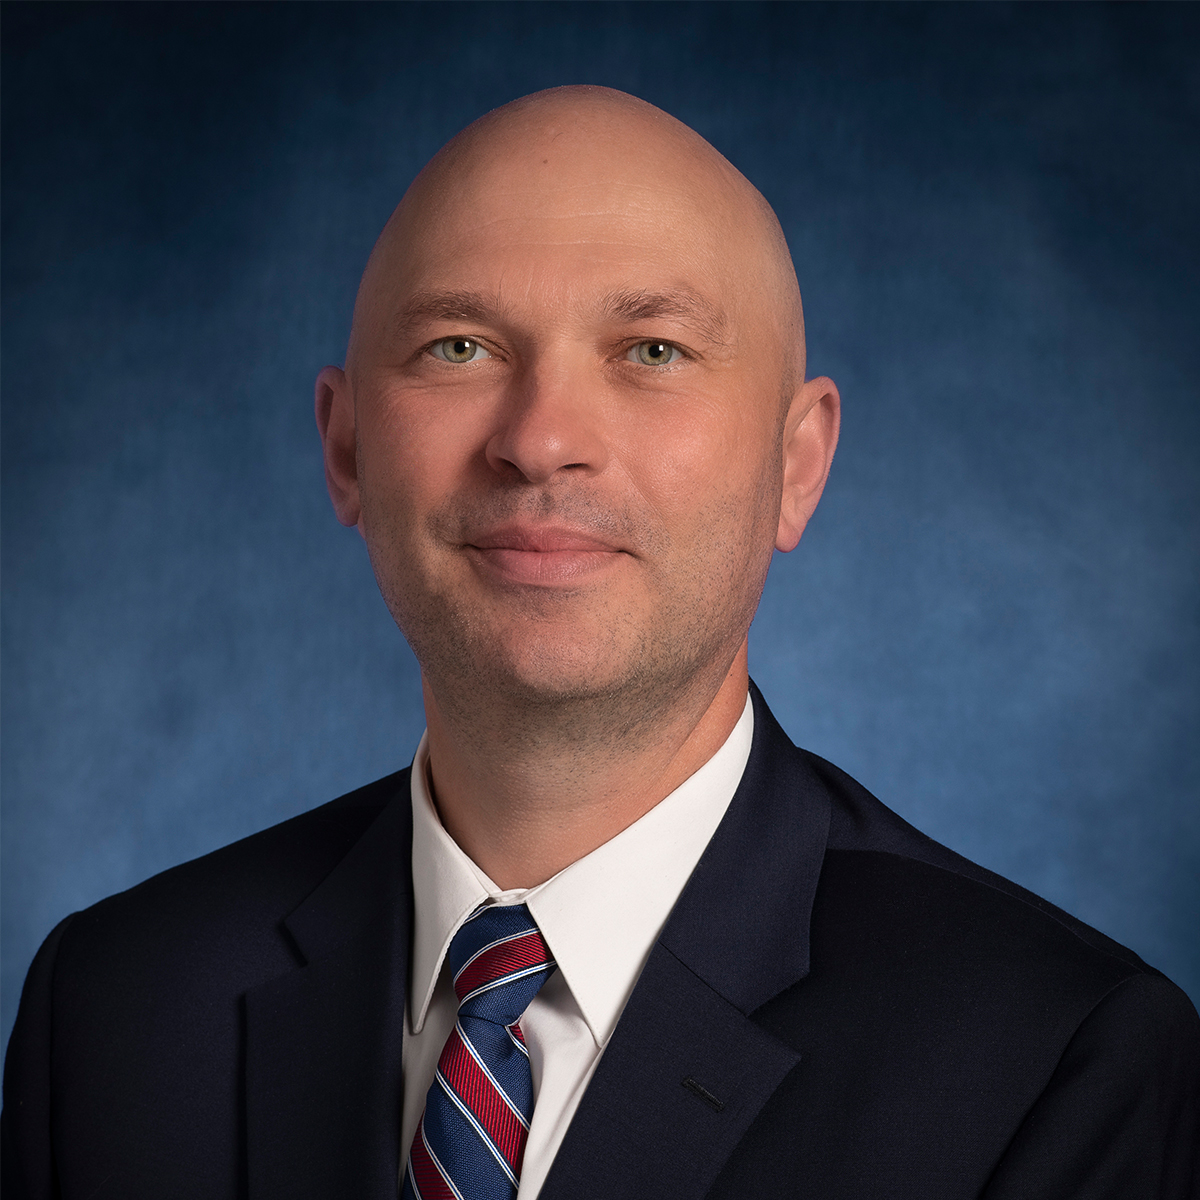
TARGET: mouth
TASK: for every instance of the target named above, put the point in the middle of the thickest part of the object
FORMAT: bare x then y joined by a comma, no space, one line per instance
546,556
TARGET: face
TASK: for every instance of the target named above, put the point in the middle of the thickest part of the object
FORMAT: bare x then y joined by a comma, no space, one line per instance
567,404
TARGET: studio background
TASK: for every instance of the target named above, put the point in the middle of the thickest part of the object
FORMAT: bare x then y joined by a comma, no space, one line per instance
992,621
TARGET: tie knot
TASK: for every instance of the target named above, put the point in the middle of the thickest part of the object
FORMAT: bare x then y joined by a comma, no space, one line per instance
499,960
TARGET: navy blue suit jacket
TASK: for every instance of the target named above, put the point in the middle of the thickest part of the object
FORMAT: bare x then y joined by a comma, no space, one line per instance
838,1007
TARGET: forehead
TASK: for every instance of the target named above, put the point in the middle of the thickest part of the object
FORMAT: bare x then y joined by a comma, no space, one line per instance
540,224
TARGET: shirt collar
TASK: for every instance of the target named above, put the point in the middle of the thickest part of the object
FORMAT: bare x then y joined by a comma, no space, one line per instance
601,915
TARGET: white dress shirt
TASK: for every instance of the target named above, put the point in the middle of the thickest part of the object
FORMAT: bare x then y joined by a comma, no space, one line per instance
600,917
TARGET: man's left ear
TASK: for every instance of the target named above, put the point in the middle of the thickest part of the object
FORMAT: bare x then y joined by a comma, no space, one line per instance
810,435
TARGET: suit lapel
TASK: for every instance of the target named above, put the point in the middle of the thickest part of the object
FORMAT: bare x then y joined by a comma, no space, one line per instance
323,1043
687,1069
679,1083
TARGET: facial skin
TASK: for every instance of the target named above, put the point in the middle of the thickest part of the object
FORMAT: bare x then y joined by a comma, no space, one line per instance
572,427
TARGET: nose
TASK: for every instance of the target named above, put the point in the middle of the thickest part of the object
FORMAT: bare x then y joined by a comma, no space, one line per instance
551,420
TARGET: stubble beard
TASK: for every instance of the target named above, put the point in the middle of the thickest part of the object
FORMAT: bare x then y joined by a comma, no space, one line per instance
567,671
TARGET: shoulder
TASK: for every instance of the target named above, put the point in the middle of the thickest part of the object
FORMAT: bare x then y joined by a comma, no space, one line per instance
876,855
916,938
225,907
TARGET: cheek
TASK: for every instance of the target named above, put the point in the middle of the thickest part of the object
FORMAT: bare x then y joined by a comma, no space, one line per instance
415,449
689,458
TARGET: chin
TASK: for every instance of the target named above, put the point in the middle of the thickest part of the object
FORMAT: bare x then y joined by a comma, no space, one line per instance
557,670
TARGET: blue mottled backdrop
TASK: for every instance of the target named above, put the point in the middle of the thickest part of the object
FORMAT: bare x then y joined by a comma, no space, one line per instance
995,216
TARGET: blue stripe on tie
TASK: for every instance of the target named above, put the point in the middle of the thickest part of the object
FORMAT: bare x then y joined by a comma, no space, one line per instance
471,1120
477,1174
441,1169
483,927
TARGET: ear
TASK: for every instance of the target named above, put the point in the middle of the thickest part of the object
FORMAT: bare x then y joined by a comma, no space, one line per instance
335,421
809,437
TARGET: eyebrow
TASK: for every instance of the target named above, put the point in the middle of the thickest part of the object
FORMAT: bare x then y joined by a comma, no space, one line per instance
628,305
445,306
679,304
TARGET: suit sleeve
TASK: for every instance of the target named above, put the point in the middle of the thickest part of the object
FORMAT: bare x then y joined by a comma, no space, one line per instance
1120,1116
26,1156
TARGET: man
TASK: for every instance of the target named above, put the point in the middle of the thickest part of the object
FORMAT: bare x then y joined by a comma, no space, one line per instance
613,935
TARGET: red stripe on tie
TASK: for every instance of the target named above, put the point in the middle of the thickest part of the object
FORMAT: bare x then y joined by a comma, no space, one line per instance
430,1182
468,1079
528,950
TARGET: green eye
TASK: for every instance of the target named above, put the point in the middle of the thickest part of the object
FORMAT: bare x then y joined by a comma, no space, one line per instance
459,350
654,354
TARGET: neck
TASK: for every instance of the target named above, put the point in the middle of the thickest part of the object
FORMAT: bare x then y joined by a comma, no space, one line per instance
523,808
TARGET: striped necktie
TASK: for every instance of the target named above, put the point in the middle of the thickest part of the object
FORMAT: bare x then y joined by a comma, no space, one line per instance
471,1137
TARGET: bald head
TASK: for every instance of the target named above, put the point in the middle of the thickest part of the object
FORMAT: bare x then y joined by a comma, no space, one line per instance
561,156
